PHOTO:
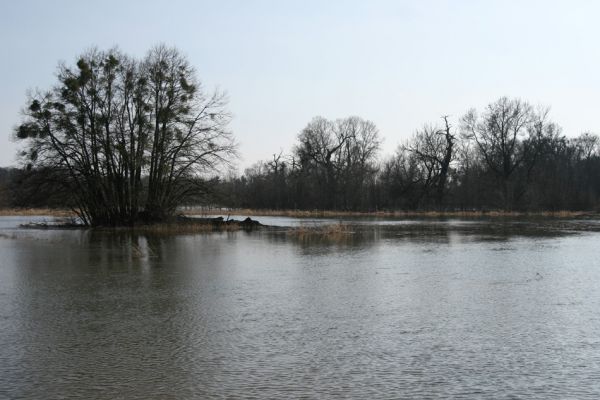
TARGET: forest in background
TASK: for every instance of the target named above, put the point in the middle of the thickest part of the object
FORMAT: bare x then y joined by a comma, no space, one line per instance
510,156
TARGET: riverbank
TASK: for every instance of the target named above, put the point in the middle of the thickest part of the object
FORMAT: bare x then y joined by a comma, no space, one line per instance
203,211
387,214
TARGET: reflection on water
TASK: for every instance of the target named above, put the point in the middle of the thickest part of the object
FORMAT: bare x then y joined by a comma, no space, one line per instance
454,308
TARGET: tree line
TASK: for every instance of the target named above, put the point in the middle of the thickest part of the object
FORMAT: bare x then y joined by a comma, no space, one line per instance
509,156
122,140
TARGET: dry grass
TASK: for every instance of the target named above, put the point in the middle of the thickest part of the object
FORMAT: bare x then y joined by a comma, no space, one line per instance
182,228
53,212
31,212
334,234
396,214
169,229
328,231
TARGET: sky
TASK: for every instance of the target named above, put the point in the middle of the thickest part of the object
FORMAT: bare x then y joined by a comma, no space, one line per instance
400,64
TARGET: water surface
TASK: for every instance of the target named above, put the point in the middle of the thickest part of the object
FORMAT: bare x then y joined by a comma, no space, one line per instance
397,309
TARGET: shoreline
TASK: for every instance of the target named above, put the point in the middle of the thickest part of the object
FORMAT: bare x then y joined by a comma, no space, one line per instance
180,224
194,221
389,214
201,211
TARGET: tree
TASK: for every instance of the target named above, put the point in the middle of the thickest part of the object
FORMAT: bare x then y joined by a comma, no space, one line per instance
336,157
433,148
356,159
402,179
318,144
499,134
587,145
129,137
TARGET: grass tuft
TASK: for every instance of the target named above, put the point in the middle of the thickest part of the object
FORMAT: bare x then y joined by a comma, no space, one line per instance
328,231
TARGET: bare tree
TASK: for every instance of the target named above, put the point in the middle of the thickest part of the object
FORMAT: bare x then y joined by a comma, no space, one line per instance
498,134
402,178
587,145
318,143
339,155
130,137
356,158
433,147
189,133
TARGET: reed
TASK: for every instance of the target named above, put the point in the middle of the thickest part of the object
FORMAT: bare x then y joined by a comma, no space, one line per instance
49,212
179,228
330,231
203,211
393,214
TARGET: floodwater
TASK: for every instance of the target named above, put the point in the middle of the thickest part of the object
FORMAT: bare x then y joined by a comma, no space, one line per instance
422,309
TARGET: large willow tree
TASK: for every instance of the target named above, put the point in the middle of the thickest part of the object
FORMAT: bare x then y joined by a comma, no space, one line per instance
129,138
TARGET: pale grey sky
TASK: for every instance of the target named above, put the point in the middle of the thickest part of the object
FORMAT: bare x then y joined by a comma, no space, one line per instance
398,63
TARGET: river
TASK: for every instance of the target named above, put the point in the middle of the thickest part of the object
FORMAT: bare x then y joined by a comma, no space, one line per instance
416,308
